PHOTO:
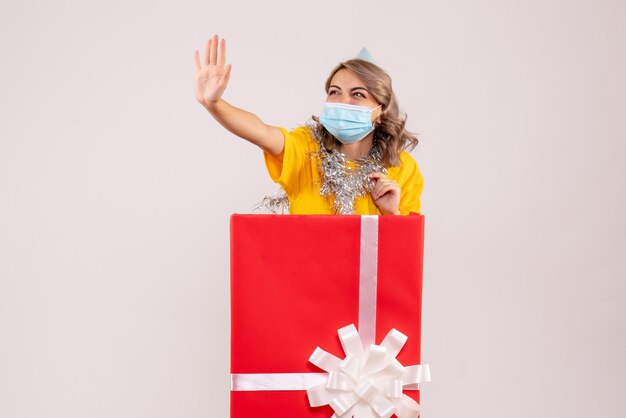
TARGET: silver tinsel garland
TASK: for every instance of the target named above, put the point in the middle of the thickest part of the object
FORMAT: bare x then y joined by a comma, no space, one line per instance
278,203
339,180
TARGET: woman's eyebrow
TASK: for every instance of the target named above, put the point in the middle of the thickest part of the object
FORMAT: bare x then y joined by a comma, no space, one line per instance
354,88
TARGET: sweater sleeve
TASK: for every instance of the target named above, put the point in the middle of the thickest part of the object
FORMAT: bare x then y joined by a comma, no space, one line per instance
285,167
411,185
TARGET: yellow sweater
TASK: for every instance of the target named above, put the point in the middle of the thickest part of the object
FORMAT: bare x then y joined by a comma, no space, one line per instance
299,176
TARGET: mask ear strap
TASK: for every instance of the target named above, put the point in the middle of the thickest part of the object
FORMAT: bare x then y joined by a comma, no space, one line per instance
381,113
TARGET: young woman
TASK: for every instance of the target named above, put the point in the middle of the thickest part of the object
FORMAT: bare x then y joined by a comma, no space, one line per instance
350,160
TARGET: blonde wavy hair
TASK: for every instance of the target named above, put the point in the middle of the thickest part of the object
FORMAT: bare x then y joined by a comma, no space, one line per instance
389,134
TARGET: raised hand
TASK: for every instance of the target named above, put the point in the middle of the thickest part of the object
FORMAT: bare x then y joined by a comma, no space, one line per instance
211,74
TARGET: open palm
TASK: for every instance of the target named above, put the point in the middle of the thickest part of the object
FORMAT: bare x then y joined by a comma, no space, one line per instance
211,73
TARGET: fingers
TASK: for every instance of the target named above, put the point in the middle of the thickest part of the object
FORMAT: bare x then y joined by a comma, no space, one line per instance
214,52
386,193
207,52
376,178
227,76
385,186
221,53
389,188
213,59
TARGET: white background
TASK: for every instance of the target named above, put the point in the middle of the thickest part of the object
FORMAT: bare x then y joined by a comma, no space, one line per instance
116,189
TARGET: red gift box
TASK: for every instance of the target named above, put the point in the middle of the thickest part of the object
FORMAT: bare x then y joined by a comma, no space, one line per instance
297,279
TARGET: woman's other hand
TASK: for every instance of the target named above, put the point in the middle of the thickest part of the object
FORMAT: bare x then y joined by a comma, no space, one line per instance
386,194
211,74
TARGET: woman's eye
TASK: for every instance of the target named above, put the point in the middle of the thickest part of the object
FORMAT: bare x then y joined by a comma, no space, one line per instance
331,92
360,94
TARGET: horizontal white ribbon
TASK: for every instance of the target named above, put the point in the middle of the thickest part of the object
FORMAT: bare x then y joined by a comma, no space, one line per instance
304,381
276,381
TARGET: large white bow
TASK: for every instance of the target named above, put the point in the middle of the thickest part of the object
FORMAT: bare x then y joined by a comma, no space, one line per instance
367,383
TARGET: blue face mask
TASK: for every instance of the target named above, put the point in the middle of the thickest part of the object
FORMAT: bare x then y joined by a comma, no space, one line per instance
348,123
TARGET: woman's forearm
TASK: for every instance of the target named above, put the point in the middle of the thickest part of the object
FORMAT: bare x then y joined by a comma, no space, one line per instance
247,125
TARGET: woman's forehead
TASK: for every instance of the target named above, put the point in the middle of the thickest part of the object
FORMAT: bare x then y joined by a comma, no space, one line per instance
346,78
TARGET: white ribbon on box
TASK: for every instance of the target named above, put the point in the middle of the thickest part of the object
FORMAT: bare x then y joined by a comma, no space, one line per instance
368,382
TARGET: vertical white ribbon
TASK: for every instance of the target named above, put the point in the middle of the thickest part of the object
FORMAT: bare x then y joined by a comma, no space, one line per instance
368,280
